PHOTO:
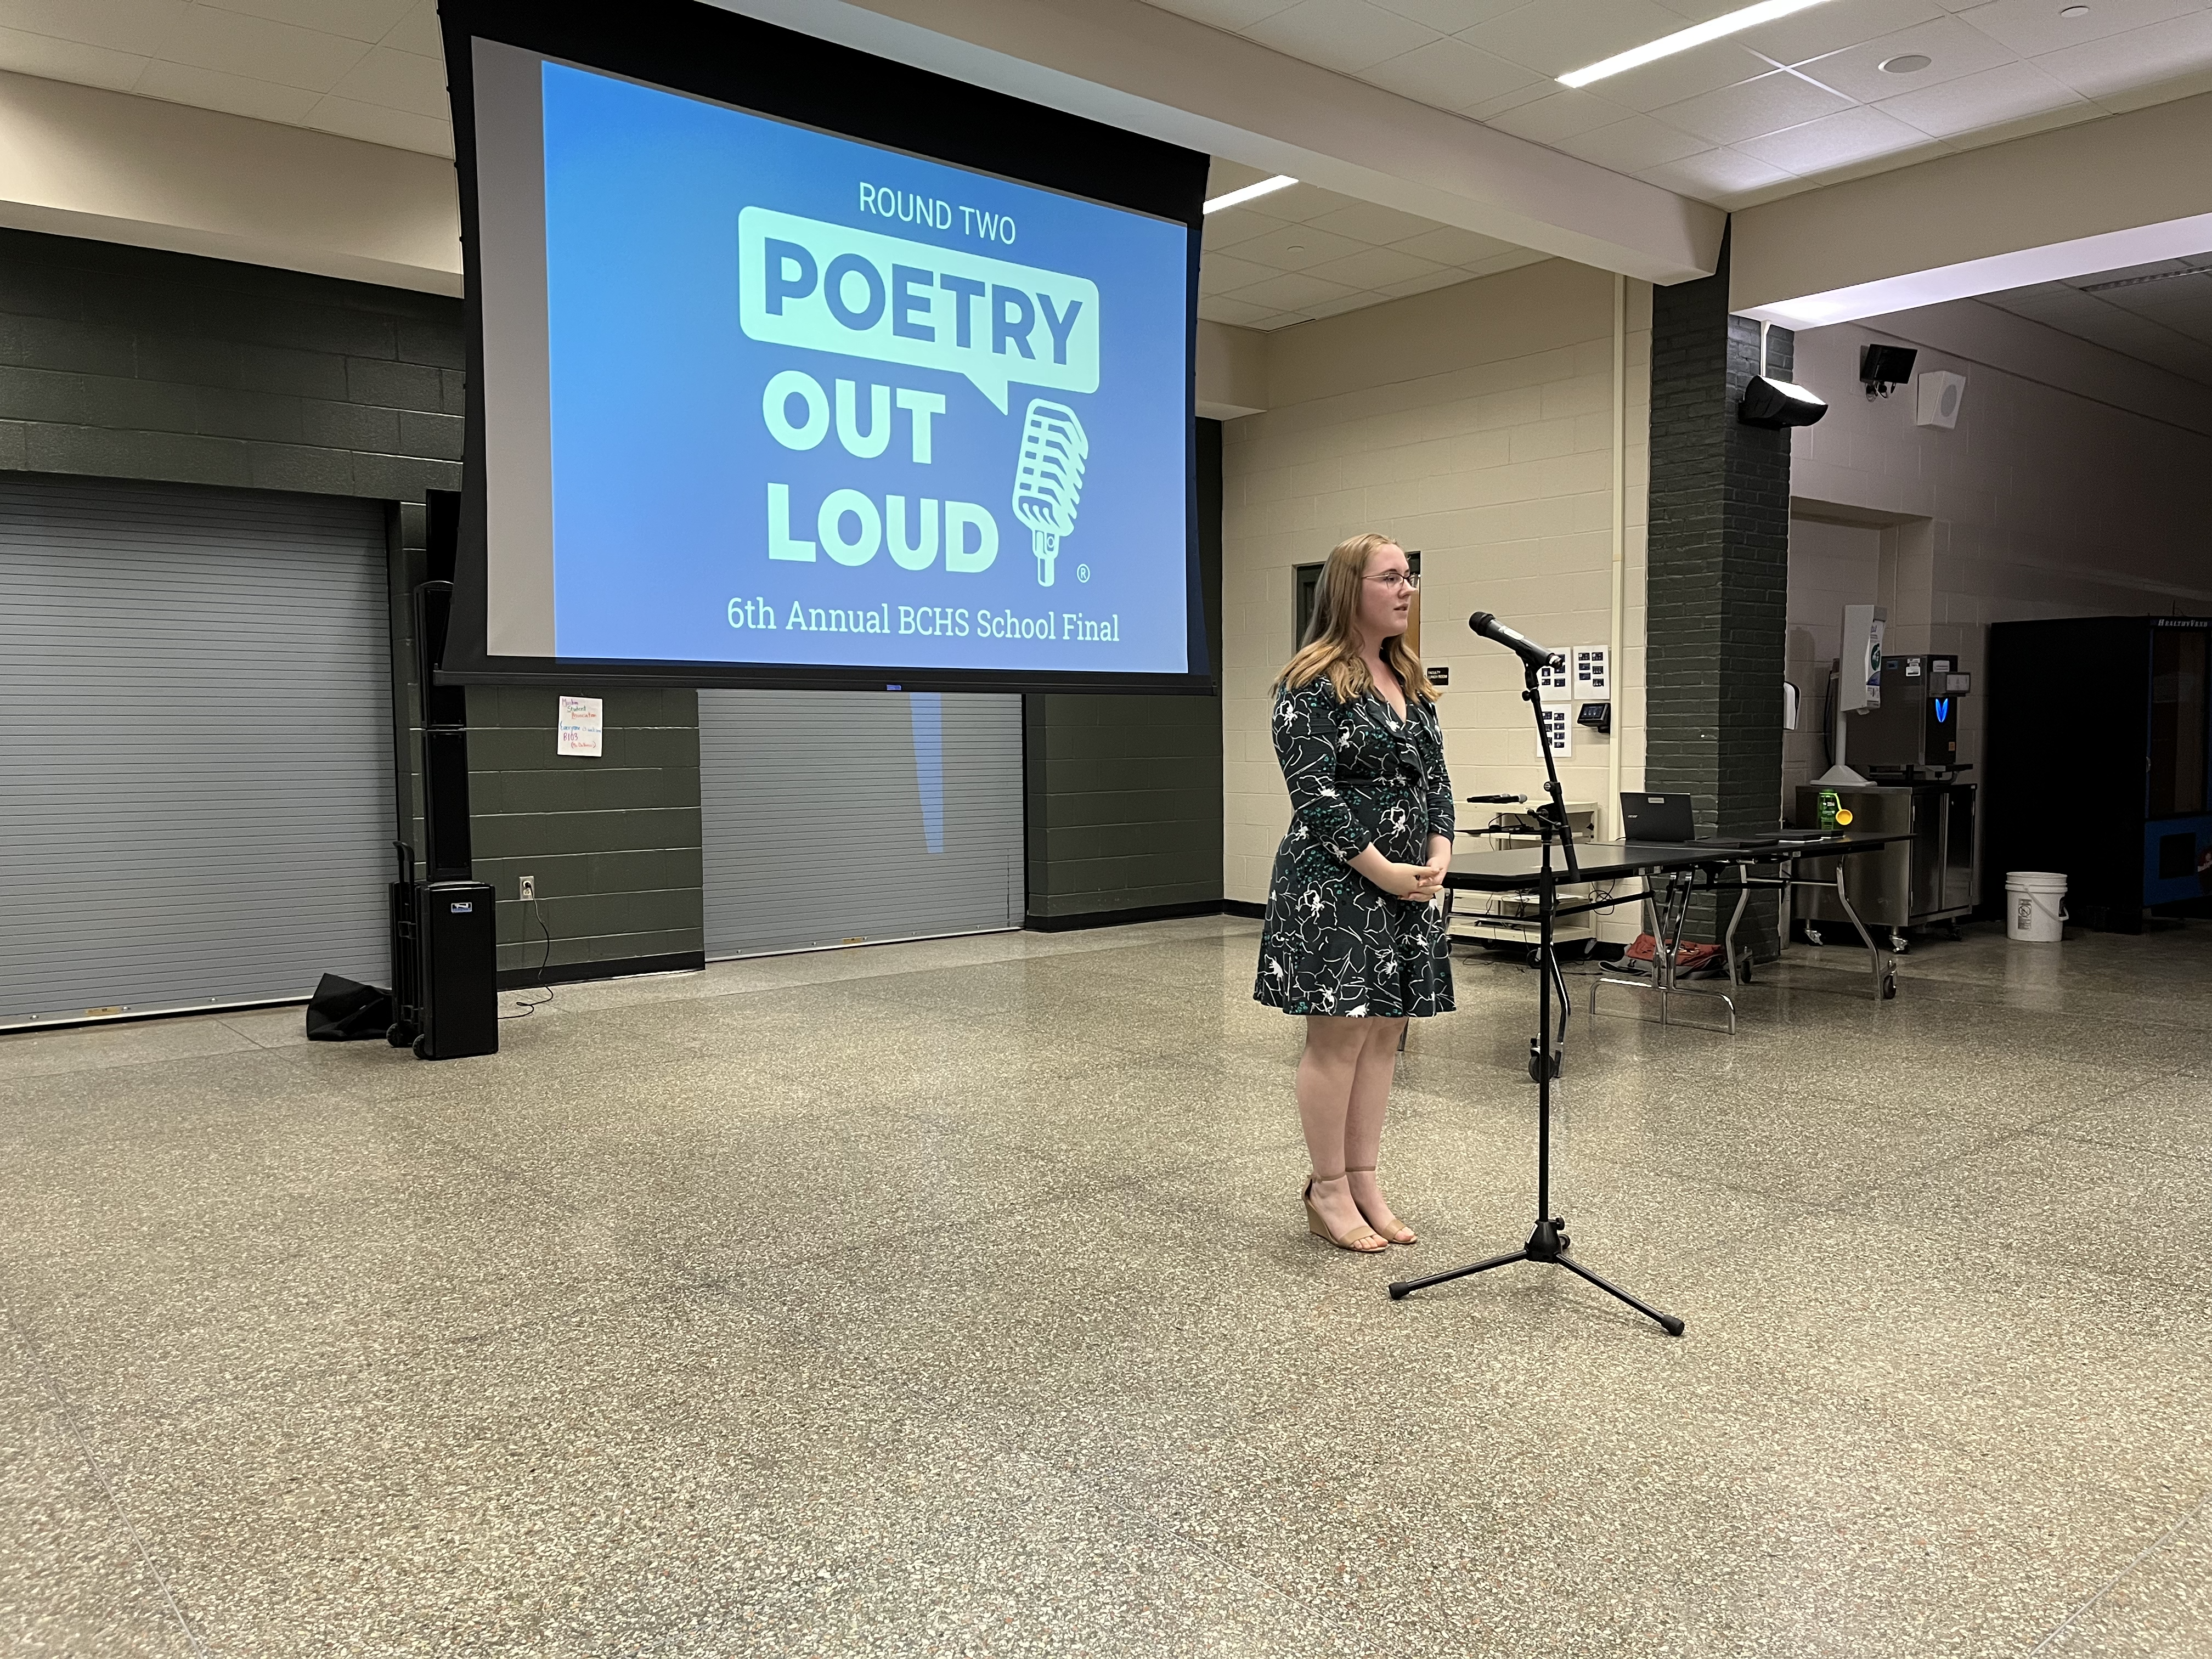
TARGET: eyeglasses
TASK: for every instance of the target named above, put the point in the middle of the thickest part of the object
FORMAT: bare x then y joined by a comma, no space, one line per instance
1404,579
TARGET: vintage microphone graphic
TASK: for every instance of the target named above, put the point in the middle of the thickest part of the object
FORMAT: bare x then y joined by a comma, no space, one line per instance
1049,479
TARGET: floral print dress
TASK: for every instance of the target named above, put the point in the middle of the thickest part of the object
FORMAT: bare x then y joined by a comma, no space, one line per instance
1334,943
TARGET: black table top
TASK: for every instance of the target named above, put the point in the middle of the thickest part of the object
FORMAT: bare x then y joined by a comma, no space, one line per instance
1518,869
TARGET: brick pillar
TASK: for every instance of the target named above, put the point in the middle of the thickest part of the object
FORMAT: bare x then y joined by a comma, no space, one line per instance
1719,574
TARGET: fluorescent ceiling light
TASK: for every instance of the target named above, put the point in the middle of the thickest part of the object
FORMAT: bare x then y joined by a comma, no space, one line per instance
1251,192
1683,40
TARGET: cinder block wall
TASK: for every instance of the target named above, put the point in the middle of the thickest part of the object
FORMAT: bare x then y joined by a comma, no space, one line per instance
132,363
1473,423
1124,792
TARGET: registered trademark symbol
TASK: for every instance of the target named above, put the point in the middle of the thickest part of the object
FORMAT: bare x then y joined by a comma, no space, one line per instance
1083,572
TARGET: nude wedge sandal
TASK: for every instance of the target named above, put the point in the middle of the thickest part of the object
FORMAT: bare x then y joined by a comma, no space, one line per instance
1350,1241
1411,1237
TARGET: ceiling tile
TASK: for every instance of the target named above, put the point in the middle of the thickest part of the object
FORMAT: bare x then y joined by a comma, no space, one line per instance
1819,30
1542,87
1238,224
1511,259
1558,115
265,101
136,25
1372,222
1223,176
1751,107
1716,175
2032,27
378,125
356,20
1238,313
1835,141
418,31
2004,94
1294,204
1708,68
2121,63
1340,35
397,80
1374,267
1450,16
1554,36
69,60
1224,13
238,44
1290,291
1442,276
1313,313
1632,145
1448,245
1296,248
1952,49
1224,273
1449,74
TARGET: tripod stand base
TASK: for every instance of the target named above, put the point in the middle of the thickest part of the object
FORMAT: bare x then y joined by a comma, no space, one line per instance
1548,1242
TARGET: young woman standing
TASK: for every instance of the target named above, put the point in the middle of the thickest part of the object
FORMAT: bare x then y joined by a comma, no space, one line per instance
1353,940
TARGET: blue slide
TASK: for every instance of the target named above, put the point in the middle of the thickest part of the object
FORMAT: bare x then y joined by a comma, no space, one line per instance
815,401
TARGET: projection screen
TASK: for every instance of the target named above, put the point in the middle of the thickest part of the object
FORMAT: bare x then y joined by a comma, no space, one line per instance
790,366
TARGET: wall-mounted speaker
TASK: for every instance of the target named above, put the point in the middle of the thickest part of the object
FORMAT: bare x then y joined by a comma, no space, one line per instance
1940,395
1778,403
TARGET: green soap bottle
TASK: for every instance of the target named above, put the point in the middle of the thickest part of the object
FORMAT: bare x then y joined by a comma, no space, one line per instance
1831,803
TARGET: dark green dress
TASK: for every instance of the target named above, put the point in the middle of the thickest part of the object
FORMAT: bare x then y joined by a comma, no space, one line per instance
1334,942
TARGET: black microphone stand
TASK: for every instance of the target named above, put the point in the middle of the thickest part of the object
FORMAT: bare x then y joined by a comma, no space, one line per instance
1549,1242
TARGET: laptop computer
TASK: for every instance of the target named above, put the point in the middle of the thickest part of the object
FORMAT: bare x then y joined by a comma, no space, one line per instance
1661,817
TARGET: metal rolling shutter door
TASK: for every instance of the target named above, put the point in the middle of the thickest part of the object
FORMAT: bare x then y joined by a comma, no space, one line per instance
196,794
836,815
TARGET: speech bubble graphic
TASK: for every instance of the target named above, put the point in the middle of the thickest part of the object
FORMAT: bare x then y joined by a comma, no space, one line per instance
830,288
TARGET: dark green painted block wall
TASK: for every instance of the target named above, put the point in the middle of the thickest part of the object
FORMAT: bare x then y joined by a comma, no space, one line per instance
132,363
1717,578
1124,807
614,841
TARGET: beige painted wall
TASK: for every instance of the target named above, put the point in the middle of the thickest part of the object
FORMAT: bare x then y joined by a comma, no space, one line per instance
1475,424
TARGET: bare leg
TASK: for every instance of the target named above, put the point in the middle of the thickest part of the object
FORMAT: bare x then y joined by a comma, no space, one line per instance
1325,1074
1363,1127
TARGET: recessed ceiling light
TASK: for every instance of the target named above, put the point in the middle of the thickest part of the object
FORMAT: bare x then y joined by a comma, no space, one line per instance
1910,62
1667,45
2074,11
1251,192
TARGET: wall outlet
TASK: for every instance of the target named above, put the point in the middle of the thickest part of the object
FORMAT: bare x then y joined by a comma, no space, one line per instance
529,888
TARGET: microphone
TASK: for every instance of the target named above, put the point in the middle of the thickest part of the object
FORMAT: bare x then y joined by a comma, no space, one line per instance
1483,623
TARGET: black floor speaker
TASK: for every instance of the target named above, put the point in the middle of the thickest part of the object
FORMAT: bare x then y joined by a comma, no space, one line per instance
449,1002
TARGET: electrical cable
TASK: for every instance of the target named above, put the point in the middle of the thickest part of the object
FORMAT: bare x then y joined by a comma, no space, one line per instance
545,961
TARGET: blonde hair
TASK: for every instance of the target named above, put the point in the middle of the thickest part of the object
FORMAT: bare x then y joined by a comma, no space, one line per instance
1331,645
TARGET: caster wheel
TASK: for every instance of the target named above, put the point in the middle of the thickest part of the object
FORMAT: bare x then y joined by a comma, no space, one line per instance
1899,944
1888,986
1535,958
422,1048
1951,930
1813,937
399,1034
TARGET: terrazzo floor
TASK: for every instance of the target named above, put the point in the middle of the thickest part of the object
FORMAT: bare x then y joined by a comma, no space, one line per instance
954,1298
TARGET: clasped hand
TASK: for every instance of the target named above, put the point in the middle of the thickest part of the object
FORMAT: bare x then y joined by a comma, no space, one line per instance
1417,884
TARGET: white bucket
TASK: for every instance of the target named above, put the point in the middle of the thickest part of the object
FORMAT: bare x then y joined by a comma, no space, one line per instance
2035,905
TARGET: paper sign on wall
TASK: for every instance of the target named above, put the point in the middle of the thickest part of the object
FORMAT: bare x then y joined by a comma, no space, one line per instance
1593,671
582,727
1550,678
1559,727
